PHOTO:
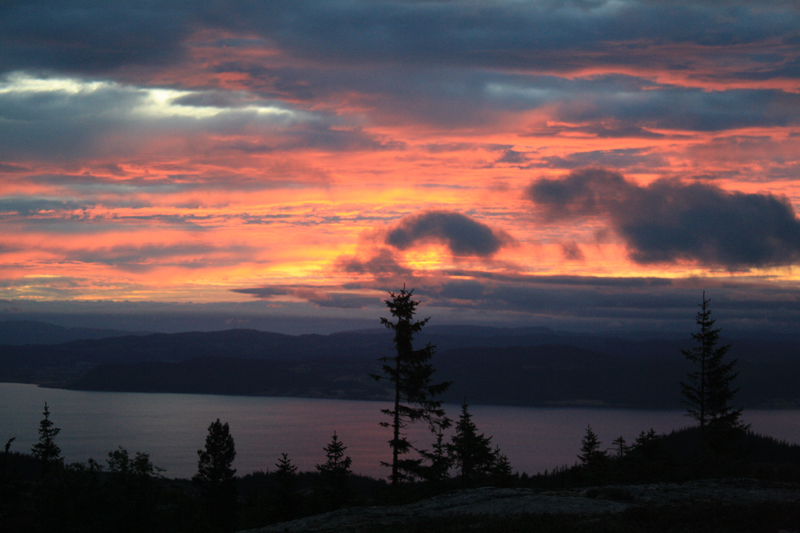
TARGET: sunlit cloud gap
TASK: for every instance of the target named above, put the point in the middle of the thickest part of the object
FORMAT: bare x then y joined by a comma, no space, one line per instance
153,102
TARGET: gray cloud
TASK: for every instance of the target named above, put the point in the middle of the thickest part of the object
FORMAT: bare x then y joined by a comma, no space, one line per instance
94,36
571,303
51,123
572,251
323,297
91,37
700,110
462,235
621,304
513,157
584,192
27,206
622,157
264,292
345,301
147,257
447,62
669,220
382,263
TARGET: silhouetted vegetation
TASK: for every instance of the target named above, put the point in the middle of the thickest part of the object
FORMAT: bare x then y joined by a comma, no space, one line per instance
708,395
46,450
128,495
470,452
40,493
410,375
334,473
216,476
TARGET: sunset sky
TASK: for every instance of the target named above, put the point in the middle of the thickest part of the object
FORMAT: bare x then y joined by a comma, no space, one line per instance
580,165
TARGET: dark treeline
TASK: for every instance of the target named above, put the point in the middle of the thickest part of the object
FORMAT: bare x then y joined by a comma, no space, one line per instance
39,492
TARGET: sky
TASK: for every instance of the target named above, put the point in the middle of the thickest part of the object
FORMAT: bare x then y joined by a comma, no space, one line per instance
581,165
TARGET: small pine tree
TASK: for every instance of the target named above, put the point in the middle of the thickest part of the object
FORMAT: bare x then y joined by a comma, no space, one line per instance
648,460
46,450
334,473
217,477
621,446
593,459
591,454
501,473
287,472
287,497
132,489
437,468
471,453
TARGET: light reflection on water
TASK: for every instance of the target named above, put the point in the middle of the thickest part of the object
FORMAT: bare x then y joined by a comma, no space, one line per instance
172,427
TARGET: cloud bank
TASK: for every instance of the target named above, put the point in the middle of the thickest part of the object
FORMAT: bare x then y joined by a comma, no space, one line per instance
314,154
669,220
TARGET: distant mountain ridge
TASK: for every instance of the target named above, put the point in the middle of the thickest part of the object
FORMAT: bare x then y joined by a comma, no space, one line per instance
20,332
524,366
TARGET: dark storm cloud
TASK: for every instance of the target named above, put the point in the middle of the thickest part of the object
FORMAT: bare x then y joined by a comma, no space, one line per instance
462,235
700,110
499,34
90,37
669,220
448,62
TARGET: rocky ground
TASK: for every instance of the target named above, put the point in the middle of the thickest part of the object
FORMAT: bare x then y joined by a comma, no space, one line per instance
477,509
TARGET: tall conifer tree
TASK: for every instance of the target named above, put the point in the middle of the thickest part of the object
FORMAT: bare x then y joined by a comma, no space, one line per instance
410,373
708,393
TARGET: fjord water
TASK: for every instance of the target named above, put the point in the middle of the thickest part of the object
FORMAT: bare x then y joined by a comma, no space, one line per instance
172,427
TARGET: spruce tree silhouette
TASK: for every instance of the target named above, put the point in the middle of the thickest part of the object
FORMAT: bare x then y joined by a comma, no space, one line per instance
591,454
287,496
410,373
216,476
471,453
436,471
334,474
594,460
708,393
46,450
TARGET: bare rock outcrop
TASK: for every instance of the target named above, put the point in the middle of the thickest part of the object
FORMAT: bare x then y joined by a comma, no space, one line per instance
506,502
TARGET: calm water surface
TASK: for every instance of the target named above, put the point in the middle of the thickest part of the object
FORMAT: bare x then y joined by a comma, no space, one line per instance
172,427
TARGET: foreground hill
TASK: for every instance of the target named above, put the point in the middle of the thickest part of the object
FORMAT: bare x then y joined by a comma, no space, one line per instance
706,505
